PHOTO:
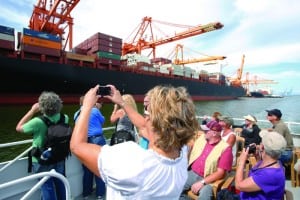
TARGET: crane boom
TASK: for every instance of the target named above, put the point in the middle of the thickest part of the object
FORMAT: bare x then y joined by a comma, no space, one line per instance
181,61
196,60
138,44
53,18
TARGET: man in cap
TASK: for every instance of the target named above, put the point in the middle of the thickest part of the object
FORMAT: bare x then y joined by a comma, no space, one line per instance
209,161
266,179
274,116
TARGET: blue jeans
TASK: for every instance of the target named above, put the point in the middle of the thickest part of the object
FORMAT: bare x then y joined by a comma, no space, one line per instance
88,176
53,188
286,156
206,192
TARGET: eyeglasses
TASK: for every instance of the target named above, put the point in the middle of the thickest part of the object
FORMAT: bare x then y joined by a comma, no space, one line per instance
145,107
146,104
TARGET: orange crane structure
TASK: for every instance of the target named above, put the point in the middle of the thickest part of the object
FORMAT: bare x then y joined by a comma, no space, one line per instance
140,43
255,81
181,61
54,16
237,81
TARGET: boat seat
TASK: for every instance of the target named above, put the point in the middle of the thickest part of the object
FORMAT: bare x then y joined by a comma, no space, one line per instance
295,179
288,195
217,185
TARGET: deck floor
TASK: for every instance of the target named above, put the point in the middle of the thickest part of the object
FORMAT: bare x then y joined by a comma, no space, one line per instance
288,186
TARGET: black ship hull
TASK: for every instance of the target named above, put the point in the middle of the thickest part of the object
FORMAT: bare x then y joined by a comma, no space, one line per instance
22,80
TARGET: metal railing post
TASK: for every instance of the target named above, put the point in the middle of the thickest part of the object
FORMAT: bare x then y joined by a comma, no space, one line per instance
45,176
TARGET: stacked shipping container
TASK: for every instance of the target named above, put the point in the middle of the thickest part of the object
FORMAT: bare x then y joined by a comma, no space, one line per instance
41,43
7,38
107,48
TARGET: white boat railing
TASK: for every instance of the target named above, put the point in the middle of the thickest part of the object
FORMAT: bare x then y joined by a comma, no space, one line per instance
34,176
18,157
10,144
293,126
262,124
45,176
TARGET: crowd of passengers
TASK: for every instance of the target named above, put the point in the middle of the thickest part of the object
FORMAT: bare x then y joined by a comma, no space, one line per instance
173,154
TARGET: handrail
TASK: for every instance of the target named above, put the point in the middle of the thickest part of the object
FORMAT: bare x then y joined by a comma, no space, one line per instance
45,176
27,150
288,123
15,159
15,143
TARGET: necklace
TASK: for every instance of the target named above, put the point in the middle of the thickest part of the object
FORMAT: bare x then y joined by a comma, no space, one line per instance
258,168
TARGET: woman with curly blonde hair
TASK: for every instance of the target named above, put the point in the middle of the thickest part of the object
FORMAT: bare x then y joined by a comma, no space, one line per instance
129,171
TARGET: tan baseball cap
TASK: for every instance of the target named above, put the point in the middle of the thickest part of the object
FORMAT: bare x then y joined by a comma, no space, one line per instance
272,140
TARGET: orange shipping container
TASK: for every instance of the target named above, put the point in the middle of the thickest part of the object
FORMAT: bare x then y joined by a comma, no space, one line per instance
41,42
75,56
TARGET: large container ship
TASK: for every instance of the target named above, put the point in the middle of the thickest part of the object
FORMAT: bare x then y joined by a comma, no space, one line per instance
38,64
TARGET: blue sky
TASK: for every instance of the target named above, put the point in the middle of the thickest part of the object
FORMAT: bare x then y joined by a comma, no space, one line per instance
266,31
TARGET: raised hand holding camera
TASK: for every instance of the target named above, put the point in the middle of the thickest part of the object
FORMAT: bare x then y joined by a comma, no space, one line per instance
104,91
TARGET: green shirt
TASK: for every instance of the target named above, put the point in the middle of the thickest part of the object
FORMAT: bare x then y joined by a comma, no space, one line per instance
38,129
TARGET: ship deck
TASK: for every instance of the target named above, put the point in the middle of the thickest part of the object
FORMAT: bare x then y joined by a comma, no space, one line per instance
12,172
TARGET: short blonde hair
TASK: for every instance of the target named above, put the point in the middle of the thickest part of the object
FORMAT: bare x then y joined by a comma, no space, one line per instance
173,117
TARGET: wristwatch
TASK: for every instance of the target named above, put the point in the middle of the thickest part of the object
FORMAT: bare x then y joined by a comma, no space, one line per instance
203,182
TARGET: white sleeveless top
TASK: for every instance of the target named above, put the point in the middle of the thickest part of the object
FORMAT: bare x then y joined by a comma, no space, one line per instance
225,138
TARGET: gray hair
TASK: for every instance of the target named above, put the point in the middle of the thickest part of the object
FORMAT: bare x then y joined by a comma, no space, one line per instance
275,154
50,103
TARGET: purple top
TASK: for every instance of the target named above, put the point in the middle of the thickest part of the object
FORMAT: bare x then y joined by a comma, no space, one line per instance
271,182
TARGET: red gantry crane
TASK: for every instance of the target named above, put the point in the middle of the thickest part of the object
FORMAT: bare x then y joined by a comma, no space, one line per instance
139,42
54,16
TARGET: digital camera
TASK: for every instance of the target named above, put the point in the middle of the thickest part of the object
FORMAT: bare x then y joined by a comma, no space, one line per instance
104,90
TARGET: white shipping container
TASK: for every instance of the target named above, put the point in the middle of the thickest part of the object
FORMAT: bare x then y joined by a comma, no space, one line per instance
7,37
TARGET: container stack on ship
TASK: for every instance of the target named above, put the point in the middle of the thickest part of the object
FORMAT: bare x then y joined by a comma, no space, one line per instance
39,45
38,63
7,40
105,48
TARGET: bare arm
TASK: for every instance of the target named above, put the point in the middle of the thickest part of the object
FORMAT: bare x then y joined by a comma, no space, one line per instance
137,119
247,184
34,109
219,174
231,140
87,153
116,114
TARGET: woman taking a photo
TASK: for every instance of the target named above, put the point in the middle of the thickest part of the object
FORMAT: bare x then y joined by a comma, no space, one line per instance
129,171
266,179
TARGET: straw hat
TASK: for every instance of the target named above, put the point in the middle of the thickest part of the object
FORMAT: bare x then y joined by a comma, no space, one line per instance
250,118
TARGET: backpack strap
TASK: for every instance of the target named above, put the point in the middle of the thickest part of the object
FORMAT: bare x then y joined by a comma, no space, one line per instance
48,122
75,118
61,119
29,162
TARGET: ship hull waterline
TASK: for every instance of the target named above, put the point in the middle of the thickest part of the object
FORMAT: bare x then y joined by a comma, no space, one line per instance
22,80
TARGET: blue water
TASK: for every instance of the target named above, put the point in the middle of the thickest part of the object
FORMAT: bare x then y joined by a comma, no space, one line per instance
289,107
10,115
